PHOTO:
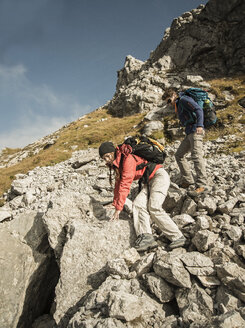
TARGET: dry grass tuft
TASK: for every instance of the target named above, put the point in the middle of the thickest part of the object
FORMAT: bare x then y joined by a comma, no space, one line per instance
89,131
99,126
231,119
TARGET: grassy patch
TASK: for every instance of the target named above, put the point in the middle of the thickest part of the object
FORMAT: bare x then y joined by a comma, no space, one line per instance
9,151
159,134
235,85
232,117
100,126
89,131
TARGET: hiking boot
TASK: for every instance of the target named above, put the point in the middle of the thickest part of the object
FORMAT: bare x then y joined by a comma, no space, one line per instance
197,192
145,242
177,243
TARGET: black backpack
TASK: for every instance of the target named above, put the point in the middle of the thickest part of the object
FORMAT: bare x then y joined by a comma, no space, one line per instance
149,149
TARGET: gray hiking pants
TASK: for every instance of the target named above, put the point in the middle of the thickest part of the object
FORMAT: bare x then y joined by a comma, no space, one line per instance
192,143
145,210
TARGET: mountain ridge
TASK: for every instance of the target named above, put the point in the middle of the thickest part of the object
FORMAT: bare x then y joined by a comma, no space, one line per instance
65,265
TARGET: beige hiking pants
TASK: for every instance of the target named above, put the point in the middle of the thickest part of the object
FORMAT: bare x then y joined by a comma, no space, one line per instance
145,210
192,143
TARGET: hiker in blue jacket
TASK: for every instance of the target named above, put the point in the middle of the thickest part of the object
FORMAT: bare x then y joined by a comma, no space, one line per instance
191,116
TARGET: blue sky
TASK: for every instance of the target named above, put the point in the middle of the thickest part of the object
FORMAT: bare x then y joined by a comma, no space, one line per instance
59,58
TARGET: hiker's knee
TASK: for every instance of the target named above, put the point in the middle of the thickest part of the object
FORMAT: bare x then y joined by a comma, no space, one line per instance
155,203
139,202
197,157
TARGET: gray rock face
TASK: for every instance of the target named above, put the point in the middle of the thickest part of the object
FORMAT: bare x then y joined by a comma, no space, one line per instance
195,304
89,244
229,319
191,47
183,220
226,301
208,204
234,277
123,300
170,268
195,261
4,214
75,268
28,270
144,265
160,288
152,126
65,265
205,24
204,239
189,207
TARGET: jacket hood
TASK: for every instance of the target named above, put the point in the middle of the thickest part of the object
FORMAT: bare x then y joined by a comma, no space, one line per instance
123,150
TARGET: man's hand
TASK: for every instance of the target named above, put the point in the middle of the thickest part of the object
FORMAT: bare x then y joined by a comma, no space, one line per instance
115,215
199,130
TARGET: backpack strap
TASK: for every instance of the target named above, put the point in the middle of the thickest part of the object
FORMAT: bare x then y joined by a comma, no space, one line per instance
145,178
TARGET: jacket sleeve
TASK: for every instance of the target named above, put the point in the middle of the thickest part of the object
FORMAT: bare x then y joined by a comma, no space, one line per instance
122,187
116,193
188,101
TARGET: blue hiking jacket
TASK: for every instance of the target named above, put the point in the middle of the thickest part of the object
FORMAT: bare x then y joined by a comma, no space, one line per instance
184,105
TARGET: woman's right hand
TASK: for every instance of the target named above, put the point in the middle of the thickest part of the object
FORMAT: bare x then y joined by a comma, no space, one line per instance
115,215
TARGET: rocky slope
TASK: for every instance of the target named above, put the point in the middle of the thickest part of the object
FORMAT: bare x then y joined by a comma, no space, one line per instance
65,265
204,43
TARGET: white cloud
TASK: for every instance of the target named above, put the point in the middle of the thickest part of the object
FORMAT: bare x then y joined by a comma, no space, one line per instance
12,73
32,131
37,109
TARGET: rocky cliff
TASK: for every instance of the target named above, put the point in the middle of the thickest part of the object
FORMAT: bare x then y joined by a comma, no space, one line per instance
65,265
206,42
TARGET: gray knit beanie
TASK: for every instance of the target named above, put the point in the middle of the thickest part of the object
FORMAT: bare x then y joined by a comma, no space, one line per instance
106,147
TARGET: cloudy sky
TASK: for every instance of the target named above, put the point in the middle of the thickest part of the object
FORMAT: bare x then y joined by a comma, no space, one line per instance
59,58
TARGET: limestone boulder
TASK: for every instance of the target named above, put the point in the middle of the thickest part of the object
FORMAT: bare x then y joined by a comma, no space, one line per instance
144,264
170,267
233,277
189,207
198,264
122,300
226,301
204,239
152,126
159,287
183,220
117,267
89,246
5,213
194,304
28,270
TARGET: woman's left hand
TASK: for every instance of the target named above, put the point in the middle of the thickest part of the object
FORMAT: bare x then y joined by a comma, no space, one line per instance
115,215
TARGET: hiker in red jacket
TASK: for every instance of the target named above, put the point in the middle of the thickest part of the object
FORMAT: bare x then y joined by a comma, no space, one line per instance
145,207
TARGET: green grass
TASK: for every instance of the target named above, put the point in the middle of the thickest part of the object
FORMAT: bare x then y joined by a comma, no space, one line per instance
231,117
101,127
104,127
159,134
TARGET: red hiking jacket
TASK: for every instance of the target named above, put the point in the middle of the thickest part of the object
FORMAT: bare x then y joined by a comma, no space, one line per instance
127,169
